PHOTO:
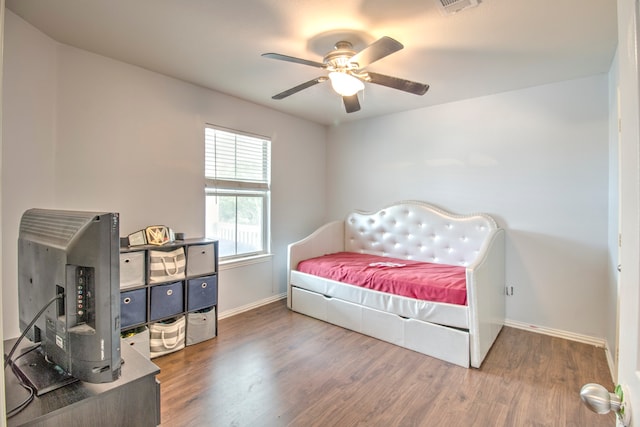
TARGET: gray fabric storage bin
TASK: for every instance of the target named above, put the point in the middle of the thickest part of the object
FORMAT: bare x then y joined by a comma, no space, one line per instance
166,300
139,340
202,292
132,269
201,259
133,307
201,326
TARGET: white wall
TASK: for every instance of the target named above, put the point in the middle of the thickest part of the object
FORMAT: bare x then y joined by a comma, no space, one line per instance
109,136
28,133
86,132
535,159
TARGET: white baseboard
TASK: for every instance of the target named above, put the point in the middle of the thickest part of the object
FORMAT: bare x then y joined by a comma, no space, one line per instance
598,342
612,364
256,304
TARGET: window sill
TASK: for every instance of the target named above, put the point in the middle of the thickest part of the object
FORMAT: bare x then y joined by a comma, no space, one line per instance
242,262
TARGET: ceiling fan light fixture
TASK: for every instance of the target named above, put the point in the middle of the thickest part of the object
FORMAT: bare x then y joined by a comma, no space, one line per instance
346,69
345,84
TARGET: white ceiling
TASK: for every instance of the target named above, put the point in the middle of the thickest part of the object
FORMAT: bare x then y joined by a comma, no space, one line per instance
498,46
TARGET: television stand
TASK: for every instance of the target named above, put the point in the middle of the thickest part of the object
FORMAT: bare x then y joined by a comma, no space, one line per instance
133,399
40,374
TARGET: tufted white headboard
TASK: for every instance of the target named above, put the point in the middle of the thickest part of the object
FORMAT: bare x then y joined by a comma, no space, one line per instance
419,231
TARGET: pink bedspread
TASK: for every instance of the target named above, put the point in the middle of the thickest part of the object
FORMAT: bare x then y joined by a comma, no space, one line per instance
414,279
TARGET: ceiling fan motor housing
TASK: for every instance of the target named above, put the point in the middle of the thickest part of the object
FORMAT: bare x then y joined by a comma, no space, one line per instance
338,59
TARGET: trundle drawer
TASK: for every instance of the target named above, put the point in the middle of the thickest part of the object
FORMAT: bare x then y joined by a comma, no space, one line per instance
427,338
309,303
378,324
384,326
330,310
345,314
437,341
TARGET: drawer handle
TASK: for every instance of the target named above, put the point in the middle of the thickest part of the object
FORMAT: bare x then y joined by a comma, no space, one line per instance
127,300
126,260
204,285
170,292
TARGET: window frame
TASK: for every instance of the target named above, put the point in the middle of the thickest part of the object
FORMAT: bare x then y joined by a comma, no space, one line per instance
216,187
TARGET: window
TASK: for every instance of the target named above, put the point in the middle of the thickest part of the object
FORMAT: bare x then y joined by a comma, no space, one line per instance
237,172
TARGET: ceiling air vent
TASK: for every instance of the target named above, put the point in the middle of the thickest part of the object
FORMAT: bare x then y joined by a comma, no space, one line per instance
449,7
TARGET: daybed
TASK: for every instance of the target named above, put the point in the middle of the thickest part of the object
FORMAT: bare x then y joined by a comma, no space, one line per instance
460,332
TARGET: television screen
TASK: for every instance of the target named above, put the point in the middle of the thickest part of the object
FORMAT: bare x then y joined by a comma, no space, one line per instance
73,256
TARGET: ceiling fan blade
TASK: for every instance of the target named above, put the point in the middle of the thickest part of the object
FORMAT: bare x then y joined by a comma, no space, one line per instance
351,103
300,87
294,59
397,83
375,51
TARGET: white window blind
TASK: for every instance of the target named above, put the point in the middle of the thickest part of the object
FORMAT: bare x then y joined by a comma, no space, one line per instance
237,174
235,160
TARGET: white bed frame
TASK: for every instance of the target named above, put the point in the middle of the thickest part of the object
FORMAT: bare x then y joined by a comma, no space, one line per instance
418,231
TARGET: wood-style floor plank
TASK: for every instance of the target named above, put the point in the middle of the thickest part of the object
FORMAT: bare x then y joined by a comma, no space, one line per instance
273,367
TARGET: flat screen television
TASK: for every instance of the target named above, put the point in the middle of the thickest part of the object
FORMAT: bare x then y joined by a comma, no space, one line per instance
73,256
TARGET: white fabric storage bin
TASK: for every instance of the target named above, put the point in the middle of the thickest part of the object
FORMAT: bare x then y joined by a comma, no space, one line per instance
201,326
132,269
138,339
167,336
166,265
201,259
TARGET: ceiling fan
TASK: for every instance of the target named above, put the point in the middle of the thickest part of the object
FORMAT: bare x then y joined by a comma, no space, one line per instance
347,72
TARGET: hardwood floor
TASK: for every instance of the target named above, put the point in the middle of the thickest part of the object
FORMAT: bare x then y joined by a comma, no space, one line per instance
272,367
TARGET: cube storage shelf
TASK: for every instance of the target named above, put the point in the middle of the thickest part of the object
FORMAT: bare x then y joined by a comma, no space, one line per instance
143,303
